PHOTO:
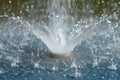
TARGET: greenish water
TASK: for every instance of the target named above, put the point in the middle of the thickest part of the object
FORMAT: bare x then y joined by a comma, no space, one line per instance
37,8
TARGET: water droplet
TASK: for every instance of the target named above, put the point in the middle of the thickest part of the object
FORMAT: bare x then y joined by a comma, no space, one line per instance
13,64
57,16
113,67
10,1
36,65
77,74
32,6
27,9
1,70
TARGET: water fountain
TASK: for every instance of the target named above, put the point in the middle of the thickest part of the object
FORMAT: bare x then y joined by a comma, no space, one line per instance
63,32
86,31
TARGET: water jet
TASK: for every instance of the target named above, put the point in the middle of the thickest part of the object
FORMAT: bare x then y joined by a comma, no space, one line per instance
62,32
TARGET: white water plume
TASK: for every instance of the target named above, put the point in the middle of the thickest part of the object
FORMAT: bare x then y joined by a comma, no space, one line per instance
63,32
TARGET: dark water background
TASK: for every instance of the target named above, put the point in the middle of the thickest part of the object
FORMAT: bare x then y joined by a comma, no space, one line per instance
37,8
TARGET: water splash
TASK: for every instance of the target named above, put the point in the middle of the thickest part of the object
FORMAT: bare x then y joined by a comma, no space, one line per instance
63,32
96,39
